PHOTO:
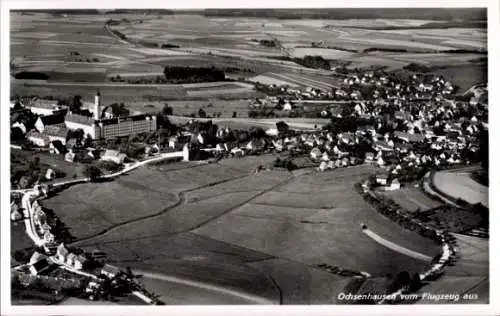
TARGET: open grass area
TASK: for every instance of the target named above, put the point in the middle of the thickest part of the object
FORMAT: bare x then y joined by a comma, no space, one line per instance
412,199
466,75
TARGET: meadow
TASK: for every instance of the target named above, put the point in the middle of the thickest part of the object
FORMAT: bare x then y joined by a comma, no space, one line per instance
412,199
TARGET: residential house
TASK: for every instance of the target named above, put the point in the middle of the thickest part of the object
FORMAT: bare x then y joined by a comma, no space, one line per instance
325,156
56,133
38,139
336,111
381,179
57,148
80,262
356,95
50,174
380,161
345,162
272,132
70,156
48,237
315,153
369,156
39,267
55,120
383,146
365,185
114,156
36,256
395,185
323,166
110,271
237,152
76,261
16,134
331,164
256,144
62,253
287,106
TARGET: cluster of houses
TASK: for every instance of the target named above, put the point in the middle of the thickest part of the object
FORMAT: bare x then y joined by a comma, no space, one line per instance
411,123
385,87
41,221
69,259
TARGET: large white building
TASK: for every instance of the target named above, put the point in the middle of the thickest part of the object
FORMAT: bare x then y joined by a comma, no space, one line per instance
102,128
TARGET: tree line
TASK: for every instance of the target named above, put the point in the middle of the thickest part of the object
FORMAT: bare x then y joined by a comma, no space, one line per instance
193,74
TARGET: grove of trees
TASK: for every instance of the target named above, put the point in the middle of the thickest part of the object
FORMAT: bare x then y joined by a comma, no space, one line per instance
176,74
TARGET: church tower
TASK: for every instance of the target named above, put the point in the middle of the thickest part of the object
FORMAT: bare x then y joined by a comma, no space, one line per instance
97,106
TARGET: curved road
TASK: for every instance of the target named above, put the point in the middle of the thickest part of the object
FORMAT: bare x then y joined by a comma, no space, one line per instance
395,247
245,297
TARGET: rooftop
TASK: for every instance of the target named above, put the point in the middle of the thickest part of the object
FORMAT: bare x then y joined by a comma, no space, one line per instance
52,119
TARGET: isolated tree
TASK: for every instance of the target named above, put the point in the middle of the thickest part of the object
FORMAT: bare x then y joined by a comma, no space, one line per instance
78,134
76,105
119,109
92,172
416,282
235,114
202,113
282,127
167,110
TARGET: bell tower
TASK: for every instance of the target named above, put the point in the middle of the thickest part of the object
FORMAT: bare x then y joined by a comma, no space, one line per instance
97,106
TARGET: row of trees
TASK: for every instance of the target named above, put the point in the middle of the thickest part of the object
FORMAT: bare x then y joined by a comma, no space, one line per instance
193,74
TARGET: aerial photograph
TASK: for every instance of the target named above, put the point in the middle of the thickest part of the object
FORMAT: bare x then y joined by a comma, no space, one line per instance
334,156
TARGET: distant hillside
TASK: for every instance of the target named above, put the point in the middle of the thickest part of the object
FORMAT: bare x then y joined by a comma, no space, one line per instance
438,14
481,24
97,11
435,14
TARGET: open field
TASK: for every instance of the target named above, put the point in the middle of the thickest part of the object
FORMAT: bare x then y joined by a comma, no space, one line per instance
465,76
460,185
232,228
221,42
412,199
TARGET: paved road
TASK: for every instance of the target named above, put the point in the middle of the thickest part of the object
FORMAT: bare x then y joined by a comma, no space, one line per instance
393,246
221,292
